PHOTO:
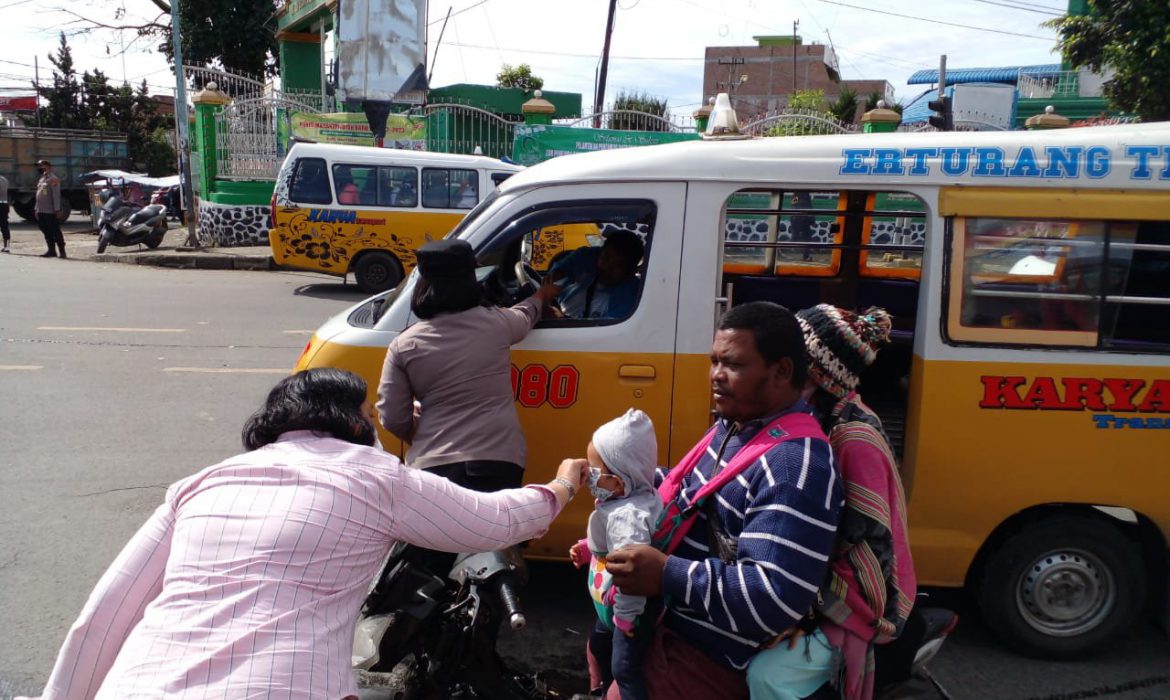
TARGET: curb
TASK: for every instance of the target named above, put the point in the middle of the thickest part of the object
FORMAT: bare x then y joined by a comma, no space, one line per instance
190,261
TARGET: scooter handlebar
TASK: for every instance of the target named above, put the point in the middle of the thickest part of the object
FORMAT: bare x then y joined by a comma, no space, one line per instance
512,606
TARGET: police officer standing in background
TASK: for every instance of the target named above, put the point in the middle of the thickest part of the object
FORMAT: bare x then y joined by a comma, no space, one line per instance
4,213
48,204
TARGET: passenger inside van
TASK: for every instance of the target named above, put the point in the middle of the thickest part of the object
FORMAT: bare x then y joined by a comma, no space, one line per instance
347,193
468,195
600,282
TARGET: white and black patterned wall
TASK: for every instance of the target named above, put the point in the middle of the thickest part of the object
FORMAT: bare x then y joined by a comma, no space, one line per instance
231,225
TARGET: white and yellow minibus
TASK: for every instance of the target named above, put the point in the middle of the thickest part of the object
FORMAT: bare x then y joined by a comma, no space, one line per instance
1027,389
365,211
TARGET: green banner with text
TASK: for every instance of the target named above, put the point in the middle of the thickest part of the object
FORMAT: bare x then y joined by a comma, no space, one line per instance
534,143
351,128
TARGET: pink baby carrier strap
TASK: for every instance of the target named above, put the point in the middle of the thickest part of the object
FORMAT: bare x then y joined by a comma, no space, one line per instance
790,426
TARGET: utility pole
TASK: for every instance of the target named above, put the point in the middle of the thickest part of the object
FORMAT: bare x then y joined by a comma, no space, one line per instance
438,43
600,98
181,128
37,78
732,83
795,24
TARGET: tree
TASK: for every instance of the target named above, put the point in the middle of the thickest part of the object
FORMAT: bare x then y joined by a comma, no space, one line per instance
236,35
1130,37
809,115
64,101
239,34
519,77
807,100
845,106
643,103
93,103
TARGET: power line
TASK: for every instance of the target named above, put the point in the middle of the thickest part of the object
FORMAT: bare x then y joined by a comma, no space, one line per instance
1038,6
456,14
1023,8
590,56
937,21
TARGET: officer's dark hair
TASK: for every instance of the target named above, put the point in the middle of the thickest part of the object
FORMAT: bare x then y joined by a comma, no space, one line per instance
323,400
776,331
429,299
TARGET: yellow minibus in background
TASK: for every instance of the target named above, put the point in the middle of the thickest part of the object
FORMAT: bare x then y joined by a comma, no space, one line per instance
364,211
1027,389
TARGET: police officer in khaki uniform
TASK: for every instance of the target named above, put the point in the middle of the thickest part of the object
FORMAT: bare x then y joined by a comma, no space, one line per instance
48,204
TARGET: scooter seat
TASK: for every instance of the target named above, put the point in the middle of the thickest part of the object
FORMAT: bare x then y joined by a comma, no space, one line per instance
147,213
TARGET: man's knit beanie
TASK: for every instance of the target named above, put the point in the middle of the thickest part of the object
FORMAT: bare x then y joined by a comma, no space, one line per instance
841,344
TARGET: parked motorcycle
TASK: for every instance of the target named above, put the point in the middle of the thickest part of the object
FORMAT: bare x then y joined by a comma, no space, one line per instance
446,626
123,225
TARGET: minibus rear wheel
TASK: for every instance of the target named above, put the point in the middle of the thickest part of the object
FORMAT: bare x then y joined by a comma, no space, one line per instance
1063,588
376,271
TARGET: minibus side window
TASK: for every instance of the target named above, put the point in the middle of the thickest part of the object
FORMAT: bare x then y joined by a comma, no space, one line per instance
450,188
788,224
892,236
356,184
1136,313
397,187
310,183
597,252
1103,284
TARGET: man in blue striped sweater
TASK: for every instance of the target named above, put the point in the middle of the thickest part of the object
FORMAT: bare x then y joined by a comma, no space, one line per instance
781,513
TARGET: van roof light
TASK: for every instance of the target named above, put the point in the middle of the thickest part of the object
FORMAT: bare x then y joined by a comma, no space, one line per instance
723,123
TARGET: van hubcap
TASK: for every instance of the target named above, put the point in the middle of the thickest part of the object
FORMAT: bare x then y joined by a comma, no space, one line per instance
1065,593
378,274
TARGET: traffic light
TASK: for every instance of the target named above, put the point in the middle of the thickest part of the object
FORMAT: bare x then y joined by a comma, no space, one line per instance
944,118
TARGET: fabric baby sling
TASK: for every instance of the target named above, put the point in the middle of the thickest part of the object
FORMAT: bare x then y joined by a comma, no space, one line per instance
677,518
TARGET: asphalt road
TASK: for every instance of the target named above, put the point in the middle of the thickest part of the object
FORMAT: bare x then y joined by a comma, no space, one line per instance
117,380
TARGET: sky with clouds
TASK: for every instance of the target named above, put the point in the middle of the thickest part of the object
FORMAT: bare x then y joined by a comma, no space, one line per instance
657,45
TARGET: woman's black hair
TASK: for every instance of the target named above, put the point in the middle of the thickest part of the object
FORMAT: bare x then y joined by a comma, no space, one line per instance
445,296
323,400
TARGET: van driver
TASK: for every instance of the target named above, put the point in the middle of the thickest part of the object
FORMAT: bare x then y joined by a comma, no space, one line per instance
600,282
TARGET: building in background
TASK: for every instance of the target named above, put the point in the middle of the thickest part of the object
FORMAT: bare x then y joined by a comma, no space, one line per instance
762,78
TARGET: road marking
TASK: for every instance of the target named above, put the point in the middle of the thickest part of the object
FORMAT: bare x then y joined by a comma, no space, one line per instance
20,368
111,329
298,332
229,370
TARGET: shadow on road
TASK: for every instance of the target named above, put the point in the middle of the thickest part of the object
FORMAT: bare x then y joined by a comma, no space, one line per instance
331,290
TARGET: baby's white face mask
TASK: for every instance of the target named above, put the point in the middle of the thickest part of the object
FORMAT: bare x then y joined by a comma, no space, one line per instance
600,493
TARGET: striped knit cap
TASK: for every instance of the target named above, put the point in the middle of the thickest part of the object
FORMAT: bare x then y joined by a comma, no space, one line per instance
841,344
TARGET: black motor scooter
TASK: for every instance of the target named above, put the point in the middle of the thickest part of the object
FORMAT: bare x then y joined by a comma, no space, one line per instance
123,225
443,629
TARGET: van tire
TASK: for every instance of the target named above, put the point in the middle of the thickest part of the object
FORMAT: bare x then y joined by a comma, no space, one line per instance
377,271
1062,588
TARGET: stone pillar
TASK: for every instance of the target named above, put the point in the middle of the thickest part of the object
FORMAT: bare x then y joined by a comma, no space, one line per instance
208,103
880,120
1049,120
538,110
703,115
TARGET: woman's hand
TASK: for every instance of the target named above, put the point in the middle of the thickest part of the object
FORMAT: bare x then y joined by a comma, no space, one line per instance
570,476
575,470
547,291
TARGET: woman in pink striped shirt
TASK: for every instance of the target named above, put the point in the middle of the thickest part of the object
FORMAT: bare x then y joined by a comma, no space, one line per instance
247,581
